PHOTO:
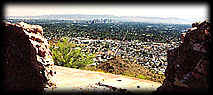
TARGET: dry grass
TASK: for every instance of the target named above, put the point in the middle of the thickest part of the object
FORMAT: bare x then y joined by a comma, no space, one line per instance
120,66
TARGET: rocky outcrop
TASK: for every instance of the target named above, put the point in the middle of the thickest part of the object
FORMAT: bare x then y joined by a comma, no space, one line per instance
27,60
188,65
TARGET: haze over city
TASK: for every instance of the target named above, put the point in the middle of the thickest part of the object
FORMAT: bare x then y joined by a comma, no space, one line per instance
156,10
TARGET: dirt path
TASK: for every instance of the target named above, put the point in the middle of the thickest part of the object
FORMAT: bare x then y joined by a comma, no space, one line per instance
75,80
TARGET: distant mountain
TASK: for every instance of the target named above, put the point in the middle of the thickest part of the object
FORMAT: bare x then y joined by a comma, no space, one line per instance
170,20
65,17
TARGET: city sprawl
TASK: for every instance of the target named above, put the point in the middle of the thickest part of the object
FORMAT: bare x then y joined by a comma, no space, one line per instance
142,43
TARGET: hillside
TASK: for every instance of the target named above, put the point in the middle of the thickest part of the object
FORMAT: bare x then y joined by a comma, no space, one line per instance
121,66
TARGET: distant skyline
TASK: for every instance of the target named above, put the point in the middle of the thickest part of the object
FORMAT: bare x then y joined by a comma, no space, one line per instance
195,11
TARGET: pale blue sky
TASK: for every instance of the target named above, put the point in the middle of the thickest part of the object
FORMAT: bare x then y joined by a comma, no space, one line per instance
147,10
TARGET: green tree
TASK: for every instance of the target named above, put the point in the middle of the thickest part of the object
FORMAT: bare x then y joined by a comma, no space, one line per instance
67,54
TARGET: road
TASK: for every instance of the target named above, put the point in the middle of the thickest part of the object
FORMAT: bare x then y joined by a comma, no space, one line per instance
75,80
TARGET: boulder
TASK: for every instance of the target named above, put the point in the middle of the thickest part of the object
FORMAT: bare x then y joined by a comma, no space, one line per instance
188,64
27,61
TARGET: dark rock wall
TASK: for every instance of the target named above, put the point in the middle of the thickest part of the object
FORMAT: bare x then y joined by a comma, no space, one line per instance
188,64
27,60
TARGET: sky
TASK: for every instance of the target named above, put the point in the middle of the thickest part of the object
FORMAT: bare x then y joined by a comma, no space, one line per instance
146,10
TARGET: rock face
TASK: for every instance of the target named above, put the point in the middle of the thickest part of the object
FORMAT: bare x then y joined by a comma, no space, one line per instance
188,64
27,60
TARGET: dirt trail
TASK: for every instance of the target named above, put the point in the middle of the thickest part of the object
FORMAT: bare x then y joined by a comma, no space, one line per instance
75,80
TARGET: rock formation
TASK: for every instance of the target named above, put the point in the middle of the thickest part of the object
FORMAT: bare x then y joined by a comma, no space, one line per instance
188,65
27,61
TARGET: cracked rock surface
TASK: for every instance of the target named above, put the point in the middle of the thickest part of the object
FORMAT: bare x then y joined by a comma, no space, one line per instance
81,81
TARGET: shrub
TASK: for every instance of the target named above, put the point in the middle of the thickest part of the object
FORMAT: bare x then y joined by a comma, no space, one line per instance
141,77
67,54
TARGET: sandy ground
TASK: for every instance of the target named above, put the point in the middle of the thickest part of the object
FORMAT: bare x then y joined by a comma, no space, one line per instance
75,80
